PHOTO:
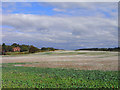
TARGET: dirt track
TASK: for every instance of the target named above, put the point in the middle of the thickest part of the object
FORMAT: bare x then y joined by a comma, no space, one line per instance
83,60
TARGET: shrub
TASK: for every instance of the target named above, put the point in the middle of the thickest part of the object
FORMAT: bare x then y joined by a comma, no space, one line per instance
33,49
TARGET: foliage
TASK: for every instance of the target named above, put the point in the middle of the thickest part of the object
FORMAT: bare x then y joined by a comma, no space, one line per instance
33,77
101,49
7,49
4,49
15,45
24,48
33,49
47,49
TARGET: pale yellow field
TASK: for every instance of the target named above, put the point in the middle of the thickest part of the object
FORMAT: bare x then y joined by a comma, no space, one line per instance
83,60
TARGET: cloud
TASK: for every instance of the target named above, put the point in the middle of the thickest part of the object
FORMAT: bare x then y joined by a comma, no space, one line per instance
71,31
103,9
10,7
59,10
83,5
70,25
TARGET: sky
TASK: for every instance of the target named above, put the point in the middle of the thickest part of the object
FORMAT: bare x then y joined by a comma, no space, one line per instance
62,25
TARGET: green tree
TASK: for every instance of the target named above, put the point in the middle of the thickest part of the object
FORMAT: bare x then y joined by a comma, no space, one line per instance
47,49
33,49
9,48
24,48
15,45
43,49
4,49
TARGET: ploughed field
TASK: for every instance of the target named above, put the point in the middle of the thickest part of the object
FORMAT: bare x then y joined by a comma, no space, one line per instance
65,69
82,60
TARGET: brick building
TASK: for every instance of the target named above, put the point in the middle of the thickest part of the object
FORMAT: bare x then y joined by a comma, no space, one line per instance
16,49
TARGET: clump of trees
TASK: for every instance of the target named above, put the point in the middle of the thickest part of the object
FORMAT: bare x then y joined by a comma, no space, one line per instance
102,49
23,48
48,49
33,49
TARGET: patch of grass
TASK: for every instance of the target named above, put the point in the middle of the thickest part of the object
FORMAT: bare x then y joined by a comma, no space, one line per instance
61,53
12,54
34,77
16,53
12,64
75,53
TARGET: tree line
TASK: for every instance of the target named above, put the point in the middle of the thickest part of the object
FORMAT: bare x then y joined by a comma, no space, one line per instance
101,49
23,48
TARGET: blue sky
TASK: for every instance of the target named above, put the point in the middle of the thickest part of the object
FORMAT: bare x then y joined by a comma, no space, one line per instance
50,9
61,25
27,8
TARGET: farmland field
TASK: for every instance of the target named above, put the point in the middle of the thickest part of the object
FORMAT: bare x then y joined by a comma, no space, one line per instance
65,69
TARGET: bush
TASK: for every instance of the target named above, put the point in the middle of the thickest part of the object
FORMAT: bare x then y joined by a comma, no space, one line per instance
47,49
33,49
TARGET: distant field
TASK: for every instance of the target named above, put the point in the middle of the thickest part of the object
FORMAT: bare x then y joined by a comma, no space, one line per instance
61,69
83,60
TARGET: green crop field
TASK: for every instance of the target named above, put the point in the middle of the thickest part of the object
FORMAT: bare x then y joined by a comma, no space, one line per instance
36,77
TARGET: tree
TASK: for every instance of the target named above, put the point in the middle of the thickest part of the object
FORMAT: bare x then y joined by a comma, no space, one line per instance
15,45
4,49
43,48
47,49
3,46
9,48
33,49
24,48
0,49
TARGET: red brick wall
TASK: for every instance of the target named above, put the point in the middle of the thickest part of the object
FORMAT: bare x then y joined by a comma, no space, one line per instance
16,49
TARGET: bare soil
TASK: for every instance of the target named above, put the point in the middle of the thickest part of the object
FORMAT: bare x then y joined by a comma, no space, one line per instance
83,60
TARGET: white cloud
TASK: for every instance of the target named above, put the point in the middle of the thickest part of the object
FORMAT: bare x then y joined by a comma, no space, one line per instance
101,9
59,10
75,31
69,8
73,25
